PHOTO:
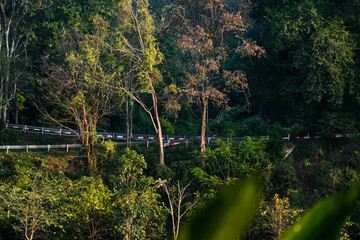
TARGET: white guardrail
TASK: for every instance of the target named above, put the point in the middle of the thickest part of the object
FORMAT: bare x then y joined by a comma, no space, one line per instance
177,139
106,135
33,147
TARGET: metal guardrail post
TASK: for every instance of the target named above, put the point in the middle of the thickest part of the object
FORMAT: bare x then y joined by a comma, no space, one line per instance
7,149
147,142
48,147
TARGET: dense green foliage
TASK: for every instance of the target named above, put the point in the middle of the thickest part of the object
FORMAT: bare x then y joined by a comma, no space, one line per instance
308,75
311,69
141,66
50,195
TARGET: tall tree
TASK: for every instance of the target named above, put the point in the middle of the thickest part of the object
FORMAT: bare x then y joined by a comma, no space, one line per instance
206,25
137,47
79,88
35,205
12,50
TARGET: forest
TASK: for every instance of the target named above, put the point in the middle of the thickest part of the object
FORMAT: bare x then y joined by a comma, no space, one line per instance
263,93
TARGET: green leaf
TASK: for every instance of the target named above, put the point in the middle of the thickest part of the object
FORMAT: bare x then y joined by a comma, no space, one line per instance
227,216
325,219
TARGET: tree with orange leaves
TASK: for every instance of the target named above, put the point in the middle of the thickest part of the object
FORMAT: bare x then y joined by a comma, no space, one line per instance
205,25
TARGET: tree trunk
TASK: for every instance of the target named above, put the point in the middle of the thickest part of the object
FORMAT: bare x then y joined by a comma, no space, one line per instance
91,156
7,72
129,112
161,143
5,112
159,130
6,90
1,96
88,144
203,125
128,124
131,118
16,111
17,116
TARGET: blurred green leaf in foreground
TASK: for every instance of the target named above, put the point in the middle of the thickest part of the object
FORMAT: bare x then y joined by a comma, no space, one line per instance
325,219
229,215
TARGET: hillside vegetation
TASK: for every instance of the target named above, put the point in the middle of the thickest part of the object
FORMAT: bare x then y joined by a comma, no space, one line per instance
215,70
